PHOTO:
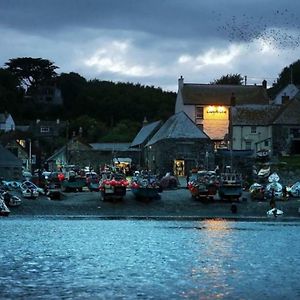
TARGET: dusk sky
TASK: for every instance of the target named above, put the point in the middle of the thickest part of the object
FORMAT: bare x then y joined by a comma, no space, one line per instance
155,42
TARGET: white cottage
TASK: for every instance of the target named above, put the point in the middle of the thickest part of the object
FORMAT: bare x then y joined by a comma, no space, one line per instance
208,105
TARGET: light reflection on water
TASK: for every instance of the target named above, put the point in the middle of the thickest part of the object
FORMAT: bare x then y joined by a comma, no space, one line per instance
123,259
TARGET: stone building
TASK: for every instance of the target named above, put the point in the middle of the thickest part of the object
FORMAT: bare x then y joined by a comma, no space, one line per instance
142,138
93,155
10,165
178,146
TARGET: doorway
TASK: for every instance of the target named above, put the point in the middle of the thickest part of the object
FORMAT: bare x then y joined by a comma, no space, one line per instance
179,167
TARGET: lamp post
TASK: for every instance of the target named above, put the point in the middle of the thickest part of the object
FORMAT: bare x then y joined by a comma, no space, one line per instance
29,157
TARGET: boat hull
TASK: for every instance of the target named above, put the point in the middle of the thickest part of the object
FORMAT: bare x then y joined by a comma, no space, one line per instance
230,192
113,193
203,191
146,193
76,185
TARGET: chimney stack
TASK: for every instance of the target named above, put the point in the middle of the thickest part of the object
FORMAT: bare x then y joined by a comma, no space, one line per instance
264,83
180,82
145,121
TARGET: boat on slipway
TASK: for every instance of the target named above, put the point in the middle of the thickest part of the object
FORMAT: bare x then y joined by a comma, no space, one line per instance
112,186
145,186
231,188
203,185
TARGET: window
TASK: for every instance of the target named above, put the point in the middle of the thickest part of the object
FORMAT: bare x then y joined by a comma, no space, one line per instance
248,145
45,129
266,143
199,112
253,129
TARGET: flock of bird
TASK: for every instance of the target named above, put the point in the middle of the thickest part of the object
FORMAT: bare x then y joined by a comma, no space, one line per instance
280,29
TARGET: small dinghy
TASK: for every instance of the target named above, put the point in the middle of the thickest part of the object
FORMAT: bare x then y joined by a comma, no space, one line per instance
4,211
274,212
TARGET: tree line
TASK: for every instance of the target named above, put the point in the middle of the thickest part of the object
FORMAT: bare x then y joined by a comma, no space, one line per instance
105,110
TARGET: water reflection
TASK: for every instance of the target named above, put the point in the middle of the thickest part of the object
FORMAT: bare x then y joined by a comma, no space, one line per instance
96,259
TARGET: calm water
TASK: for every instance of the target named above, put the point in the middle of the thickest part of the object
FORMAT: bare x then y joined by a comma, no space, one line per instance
122,259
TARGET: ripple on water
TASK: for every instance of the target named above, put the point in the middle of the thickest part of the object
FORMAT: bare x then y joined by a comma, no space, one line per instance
122,259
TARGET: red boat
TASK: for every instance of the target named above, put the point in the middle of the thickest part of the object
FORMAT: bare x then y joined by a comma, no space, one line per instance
203,185
113,186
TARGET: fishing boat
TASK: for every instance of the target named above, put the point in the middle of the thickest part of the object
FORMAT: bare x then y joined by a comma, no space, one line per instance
92,181
203,185
73,184
11,200
113,186
145,186
230,186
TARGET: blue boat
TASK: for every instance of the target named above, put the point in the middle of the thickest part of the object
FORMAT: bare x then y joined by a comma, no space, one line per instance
231,188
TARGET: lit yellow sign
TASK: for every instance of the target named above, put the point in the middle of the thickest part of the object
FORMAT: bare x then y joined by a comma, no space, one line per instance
215,112
216,109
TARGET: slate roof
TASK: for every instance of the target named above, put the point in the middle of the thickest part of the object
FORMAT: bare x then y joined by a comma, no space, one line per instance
254,115
176,127
145,133
111,146
3,118
219,94
7,159
289,113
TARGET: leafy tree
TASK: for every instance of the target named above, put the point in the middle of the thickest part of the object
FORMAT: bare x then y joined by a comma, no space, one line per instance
289,74
10,95
124,131
234,79
32,72
91,129
72,86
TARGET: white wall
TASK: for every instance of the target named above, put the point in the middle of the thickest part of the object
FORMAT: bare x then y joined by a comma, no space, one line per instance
242,134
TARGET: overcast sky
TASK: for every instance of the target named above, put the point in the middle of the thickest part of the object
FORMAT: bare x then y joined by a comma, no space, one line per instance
153,42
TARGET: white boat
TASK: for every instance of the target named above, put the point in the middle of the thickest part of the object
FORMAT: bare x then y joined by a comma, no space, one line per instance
4,211
11,200
30,190
264,172
30,193
274,212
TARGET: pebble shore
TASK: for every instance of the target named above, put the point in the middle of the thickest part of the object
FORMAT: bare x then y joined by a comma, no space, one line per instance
174,204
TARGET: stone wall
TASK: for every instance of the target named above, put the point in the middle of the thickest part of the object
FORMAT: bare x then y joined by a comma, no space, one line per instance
195,153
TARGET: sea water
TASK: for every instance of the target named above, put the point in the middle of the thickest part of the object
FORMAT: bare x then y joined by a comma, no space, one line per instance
43,258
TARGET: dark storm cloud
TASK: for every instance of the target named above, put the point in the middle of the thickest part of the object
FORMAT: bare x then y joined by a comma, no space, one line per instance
171,18
154,41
